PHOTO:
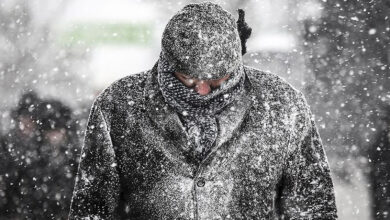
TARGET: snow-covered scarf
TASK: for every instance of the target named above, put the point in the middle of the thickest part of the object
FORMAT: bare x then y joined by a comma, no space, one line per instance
197,112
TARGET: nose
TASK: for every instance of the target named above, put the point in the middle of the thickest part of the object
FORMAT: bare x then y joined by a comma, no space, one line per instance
202,87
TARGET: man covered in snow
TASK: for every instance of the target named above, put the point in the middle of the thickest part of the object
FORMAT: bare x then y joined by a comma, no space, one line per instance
201,136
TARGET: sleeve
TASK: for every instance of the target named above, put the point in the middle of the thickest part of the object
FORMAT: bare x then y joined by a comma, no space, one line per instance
96,189
307,190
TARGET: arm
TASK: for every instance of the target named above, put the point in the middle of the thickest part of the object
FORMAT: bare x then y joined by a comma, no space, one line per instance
96,190
307,189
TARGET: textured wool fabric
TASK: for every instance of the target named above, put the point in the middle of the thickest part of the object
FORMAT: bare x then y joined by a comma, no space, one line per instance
196,111
202,41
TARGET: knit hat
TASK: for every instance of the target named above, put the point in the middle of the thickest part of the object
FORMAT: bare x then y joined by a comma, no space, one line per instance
202,41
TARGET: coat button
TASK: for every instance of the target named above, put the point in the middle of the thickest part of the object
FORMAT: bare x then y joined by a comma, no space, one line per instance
201,182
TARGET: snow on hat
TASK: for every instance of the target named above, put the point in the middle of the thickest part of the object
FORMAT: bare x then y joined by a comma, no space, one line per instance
202,41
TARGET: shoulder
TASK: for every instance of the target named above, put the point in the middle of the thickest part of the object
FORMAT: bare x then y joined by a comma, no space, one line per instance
125,93
278,99
131,85
273,94
268,86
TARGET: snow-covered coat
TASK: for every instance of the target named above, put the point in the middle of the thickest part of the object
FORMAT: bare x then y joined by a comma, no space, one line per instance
267,163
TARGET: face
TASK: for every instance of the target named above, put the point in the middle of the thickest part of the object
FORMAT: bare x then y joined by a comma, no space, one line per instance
202,87
26,125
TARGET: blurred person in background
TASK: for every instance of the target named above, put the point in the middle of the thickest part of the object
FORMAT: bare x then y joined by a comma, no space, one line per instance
201,136
18,148
40,161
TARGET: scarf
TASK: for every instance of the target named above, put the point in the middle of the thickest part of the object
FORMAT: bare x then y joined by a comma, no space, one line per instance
197,112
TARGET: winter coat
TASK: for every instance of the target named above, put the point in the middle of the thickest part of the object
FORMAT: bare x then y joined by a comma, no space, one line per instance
268,161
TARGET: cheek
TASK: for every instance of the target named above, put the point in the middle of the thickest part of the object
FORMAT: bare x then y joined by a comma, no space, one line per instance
188,82
217,83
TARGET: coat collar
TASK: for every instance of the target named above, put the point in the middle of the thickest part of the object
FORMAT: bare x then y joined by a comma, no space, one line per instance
168,122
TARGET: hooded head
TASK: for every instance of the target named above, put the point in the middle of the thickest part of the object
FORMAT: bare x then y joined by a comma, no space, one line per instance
202,41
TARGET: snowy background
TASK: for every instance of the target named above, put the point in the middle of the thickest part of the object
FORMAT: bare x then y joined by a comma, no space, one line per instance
337,52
